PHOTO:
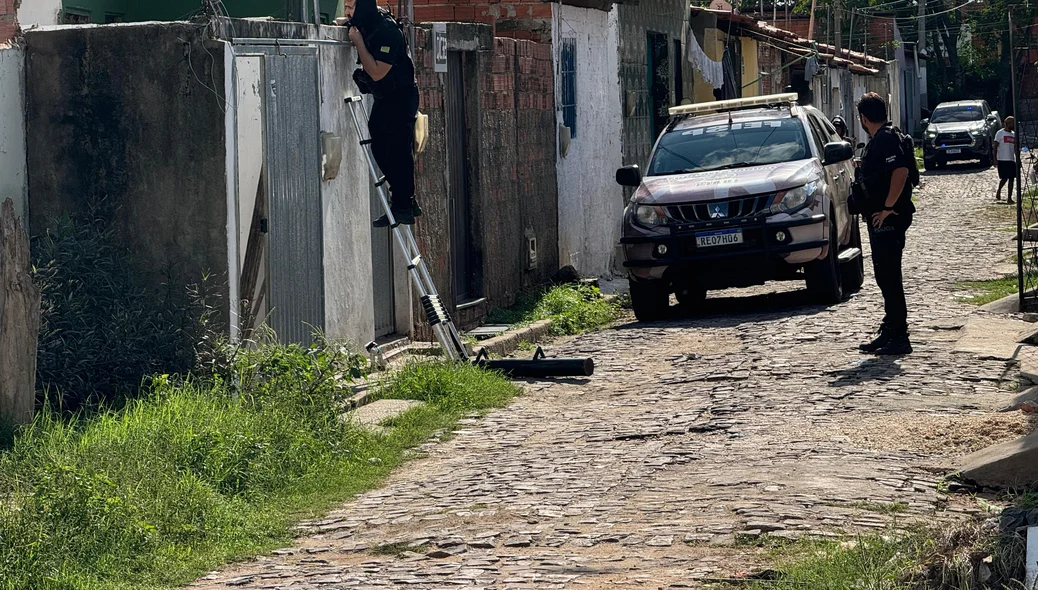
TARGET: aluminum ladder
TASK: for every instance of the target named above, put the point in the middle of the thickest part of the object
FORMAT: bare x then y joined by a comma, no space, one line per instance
435,312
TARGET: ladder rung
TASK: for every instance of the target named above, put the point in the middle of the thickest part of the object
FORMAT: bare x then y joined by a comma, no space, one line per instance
365,142
435,311
381,180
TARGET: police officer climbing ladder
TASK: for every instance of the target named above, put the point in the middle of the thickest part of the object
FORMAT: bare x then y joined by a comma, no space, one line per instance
387,73
439,319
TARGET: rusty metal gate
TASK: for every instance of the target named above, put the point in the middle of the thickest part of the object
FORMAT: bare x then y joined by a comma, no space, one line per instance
292,154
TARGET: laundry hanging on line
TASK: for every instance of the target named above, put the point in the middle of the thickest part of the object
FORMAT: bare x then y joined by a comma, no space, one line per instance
712,71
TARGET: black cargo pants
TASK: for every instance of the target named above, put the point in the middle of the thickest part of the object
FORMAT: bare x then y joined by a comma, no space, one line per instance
391,127
888,245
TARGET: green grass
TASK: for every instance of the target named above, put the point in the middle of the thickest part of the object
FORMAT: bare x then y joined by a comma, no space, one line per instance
990,290
866,562
573,309
195,474
882,507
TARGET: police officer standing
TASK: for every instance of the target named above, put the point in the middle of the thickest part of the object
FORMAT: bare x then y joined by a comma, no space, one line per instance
387,73
888,212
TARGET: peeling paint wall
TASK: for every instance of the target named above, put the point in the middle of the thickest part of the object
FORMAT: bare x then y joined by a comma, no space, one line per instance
39,12
590,201
12,129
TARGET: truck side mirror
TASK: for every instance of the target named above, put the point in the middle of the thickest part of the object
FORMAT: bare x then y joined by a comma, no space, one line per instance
629,176
836,152
924,122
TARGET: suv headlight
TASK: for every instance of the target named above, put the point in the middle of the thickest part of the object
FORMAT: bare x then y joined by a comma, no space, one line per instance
794,198
931,133
650,215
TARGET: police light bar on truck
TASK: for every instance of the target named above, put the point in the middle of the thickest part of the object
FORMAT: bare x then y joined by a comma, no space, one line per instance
789,98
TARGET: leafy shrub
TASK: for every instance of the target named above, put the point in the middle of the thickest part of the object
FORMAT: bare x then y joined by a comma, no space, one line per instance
573,309
191,471
102,327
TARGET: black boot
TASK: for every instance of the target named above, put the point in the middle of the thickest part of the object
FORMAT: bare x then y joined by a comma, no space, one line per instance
404,216
898,345
881,340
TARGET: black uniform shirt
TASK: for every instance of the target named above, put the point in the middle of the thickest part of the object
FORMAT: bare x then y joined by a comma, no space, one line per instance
881,157
386,44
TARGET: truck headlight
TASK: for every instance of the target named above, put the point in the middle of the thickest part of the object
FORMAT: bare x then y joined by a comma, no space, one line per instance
794,198
930,133
650,215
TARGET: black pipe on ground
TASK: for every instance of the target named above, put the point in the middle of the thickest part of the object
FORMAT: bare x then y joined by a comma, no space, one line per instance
539,366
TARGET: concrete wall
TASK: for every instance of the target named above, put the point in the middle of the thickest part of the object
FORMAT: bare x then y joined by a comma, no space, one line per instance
137,10
636,20
349,305
39,12
590,201
349,300
137,127
12,129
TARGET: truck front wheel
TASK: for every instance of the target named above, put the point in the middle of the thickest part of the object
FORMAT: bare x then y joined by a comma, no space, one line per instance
823,276
650,299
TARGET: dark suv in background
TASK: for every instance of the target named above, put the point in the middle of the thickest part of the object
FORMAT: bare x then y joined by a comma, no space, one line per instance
960,130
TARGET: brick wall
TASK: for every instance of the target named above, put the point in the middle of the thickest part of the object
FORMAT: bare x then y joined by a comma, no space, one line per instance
771,60
8,20
517,19
513,191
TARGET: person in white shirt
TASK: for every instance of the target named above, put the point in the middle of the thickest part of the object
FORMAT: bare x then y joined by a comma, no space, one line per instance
1005,139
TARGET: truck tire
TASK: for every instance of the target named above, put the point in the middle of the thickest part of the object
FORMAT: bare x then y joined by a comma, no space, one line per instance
823,276
650,300
930,164
852,274
690,295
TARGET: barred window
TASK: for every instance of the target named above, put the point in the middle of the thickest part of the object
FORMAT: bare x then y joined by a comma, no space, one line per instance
568,64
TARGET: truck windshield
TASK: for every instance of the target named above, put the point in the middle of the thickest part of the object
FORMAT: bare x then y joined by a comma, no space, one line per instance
746,143
956,114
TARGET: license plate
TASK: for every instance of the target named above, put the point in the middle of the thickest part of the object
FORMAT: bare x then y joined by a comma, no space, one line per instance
723,237
954,151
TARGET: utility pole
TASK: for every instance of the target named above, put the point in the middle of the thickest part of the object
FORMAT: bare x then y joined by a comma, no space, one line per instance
920,49
850,39
838,29
811,22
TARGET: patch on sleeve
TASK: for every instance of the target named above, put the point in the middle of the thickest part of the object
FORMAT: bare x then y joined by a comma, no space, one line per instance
385,49
891,159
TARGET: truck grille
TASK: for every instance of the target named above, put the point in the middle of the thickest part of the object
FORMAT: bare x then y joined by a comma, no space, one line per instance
953,138
743,208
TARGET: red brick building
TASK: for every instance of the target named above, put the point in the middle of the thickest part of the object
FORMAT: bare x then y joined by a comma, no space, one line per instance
8,20
517,19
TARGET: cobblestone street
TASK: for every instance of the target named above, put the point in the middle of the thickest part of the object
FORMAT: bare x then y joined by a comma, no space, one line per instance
756,417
